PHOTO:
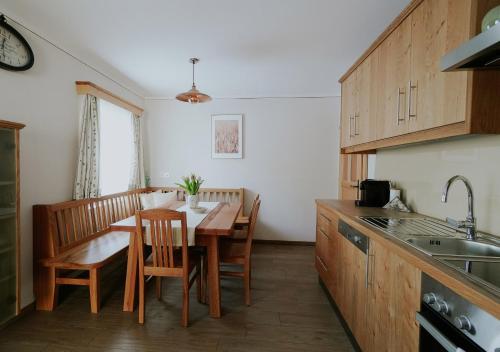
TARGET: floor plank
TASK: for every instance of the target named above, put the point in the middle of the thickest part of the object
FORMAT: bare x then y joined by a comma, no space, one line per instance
290,312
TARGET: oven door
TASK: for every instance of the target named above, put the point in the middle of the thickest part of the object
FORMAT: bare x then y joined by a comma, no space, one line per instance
439,335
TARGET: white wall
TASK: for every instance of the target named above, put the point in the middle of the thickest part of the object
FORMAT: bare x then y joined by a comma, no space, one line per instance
422,170
44,99
290,155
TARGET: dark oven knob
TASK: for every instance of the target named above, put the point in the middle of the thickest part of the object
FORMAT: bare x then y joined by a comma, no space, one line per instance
463,323
442,307
429,298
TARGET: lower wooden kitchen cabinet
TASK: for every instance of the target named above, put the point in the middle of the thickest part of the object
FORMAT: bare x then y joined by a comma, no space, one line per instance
377,293
393,298
351,288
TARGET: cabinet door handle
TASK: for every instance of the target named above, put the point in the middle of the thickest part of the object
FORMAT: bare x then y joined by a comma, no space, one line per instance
324,233
411,86
367,269
358,196
356,130
398,106
325,217
322,263
370,261
351,118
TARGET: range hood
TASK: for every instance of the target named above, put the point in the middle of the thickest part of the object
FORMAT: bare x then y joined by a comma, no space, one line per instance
481,52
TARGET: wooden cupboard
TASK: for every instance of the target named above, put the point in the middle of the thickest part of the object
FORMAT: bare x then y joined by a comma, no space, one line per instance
353,169
322,250
350,287
393,298
347,137
325,259
358,105
436,98
366,103
394,74
377,294
396,93
9,221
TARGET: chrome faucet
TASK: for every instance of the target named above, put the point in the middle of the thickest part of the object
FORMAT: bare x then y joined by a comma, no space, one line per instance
470,222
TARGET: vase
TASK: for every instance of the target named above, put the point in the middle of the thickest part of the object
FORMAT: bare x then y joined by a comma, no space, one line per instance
192,201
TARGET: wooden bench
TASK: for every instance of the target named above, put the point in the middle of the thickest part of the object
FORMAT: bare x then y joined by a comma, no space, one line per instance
75,236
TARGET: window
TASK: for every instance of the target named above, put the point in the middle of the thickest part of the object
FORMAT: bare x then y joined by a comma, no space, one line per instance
116,144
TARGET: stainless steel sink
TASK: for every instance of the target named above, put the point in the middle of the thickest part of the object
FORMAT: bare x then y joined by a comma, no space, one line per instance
456,248
437,238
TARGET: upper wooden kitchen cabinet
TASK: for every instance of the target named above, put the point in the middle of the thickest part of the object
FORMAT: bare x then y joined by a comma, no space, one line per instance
414,100
347,114
436,98
358,105
366,103
393,76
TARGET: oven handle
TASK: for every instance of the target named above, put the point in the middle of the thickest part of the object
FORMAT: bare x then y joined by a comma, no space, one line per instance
436,334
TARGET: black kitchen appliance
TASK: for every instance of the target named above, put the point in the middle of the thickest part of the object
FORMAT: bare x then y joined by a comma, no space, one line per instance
450,323
373,193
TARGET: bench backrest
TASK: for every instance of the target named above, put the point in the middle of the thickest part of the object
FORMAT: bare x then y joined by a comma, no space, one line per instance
62,226
229,195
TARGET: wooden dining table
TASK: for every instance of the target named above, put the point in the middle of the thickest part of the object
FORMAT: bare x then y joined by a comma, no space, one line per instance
218,223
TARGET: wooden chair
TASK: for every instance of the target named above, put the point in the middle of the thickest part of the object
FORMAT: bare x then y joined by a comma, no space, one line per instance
237,251
166,260
243,222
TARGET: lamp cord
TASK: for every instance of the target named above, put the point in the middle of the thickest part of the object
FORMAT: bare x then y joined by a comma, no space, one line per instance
193,75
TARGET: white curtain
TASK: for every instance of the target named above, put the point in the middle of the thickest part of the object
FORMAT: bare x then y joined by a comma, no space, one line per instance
87,171
137,176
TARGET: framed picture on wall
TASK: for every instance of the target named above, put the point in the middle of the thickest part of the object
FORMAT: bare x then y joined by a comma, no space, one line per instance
227,136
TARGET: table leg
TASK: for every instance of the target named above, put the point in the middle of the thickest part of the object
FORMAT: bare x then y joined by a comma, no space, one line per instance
130,280
213,276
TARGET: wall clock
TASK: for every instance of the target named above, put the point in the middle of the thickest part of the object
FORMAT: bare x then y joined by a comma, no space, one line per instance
15,52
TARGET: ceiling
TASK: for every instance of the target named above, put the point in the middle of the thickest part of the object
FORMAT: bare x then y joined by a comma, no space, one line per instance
251,48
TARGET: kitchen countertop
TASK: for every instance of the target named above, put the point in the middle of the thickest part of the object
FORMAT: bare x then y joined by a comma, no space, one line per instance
476,293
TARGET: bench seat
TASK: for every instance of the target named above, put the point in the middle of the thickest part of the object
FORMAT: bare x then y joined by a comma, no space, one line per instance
242,220
92,254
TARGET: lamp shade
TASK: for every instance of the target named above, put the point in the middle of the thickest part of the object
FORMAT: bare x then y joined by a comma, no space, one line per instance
193,96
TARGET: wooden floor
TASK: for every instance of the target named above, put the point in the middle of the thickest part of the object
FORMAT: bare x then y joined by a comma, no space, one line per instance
290,312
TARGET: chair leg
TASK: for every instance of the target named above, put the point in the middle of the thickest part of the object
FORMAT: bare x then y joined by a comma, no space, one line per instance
141,299
185,303
158,287
250,274
198,283
54,290
94,288
246,283
204,280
